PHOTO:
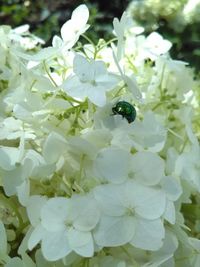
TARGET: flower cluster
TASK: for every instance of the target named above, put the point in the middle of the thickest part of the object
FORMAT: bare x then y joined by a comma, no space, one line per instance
82,185
177,13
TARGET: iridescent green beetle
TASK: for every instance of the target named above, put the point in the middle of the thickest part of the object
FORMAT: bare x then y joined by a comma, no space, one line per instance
126,110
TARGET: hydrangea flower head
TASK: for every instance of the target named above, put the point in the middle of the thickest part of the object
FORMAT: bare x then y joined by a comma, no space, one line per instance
82,183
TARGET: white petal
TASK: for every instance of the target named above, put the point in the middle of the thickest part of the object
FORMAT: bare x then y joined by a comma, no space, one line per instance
149,235
79,145
166,252
35,236
154,37
76,89
99,68
71,83
54,146
83,69
107,81
148,134
86,213
54,213
108,198
12,179
152,206
157,44
87,250
24,244
33,207
80,15
78,238
57,41
166,45
148,202
171,187
117,27
9,156
133,87
23,192
81,242
112,164
21,29
114,231
147,167
68,32
169,214
97,96
55,246
170,243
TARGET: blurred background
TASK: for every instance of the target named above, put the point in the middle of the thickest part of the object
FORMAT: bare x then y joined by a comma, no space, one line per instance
177,20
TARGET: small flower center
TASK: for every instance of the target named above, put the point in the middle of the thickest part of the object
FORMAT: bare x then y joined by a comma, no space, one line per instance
69,224
130,211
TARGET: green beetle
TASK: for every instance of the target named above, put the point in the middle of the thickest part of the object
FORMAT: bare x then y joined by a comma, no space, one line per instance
126,110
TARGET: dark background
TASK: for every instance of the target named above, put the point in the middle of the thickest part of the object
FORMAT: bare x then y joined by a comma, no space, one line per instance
47,16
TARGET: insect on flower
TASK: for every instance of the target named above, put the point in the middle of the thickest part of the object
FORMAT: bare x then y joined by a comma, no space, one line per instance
126,110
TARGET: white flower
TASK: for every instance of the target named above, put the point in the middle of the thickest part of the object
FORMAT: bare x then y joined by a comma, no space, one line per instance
156,45
76,26
66,226
91,80
130,213
73,28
